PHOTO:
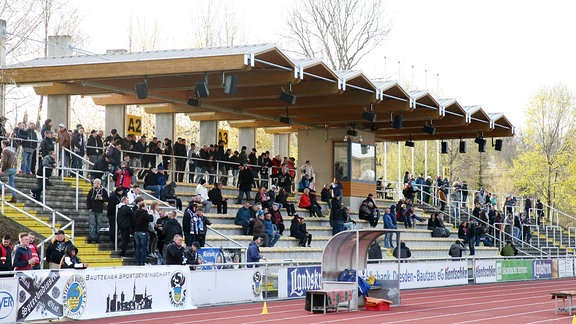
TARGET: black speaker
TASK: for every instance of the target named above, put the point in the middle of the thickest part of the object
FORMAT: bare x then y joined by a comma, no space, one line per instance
202,88
231,84
429,130
141,90
285,119
444,147
352,132
482,146
462,147
397,121
409,144
193,102
288,97
498,145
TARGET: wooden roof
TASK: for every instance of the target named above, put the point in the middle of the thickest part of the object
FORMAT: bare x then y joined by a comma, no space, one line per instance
324,98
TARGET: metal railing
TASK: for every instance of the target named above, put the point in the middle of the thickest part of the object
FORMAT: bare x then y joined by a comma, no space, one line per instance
52,225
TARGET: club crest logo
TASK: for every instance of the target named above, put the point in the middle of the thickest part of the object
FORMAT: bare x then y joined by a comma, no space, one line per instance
178,289
74,297
257,284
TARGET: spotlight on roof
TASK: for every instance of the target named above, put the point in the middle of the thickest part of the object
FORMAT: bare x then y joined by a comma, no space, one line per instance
479,140
141,89
462,146
352,132
444,147
193,102
285,119
288,97
202,88
409,143
498,145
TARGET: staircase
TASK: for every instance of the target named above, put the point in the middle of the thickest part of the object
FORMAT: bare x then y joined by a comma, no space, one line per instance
62,197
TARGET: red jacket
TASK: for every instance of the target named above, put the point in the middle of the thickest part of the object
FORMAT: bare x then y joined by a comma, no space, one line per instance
123,178
304,201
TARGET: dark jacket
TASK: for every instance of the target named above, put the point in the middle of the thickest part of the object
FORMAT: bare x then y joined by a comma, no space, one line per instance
140,220
99,168
20,258
46,146
245,180
56,250
174,254
404,251
171,227
125,215
253,253
69,261
215,195
92,201
169,192
6,258
48,162
456,250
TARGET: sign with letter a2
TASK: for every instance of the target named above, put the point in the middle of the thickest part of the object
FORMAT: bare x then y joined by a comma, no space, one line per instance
133,125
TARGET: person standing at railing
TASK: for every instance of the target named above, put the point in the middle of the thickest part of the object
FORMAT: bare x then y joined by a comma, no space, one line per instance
22,256
56,249
427,189
253,161
527,207
95,200
245,179
180,160
166,154
464,190
93,150
112,138
63,142
265,164
225,167
539,211
8,166
192,156
28,149
47,144
48,164
137,158
154,150
47,126
419,186
78,146
140,221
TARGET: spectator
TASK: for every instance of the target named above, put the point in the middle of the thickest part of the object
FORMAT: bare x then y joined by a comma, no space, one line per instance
440,224
284,179
123,177
133,193
388,224
456,249
192,156
8,166
526,229
64,142
215,196
199,227
192,256
22,256
44,172
432,222
509,249
471,234
510,204
539,211
175,251
277,218
271,230
169,194
263,198
404,216
46,127
326,195
260,230
47,144
464,192
298,230
151,182
243,218
6,254
402,253
180,160
304,183
3,133
306,203
56,250
70,259
203,192
517,228
170,227
95,200
34,250
93,146
308,170
125,215
253,254
113,200
78,147
153,242
140,220
28,149
100,168
462,230
282,199
245,179
427,187
374,251
235,160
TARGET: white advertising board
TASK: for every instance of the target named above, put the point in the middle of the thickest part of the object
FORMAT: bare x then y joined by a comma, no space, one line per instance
8,293
421,274
485,271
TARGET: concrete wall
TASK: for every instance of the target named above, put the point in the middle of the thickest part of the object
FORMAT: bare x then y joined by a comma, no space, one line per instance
115,118
58,108
282,144
208,133
246,137
165,127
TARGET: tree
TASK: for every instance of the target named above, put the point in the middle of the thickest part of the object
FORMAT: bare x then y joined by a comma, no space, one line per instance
216,25
342,31
543,169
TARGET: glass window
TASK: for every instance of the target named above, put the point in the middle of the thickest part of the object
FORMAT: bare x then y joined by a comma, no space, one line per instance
363,162
341,161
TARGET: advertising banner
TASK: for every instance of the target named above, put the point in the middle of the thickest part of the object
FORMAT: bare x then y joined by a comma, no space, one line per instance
39,295
8,293
485,271
542,269
421,274
509,270
565,268
98,293
226,286
210,255
294,282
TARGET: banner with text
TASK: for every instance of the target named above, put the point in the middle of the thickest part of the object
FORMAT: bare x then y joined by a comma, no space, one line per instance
99,293
565,268
226,286
542,269
421,274
294,282
509,270
485,271
8,293
39,295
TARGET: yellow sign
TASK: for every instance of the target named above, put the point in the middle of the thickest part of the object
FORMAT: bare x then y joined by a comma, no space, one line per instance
223,136
133,125
446,172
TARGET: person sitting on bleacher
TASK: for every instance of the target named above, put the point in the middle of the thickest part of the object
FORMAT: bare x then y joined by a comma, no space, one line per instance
282,199
215,196
414,217
365,213
432,222
203,192
374,209
456,250
243,218
304,182
277,218
262,197
306,203
151,182
403,215
298,230
509,249
271,229
169,194
260,230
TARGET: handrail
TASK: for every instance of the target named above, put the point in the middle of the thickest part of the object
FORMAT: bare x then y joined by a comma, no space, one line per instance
70,224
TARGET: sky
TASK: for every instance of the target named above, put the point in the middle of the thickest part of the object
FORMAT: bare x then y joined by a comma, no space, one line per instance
495,54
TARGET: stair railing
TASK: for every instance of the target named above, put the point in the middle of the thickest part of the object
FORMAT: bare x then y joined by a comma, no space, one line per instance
52,225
